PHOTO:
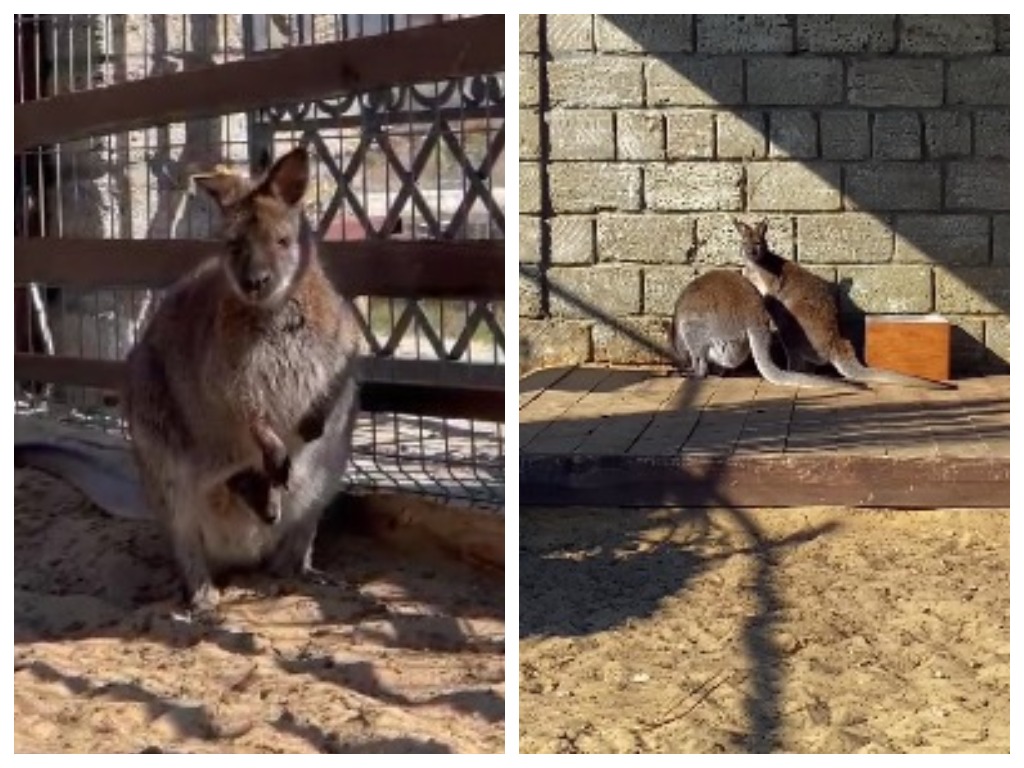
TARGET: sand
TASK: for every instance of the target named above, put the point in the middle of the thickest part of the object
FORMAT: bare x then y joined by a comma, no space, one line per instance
408,658
799,630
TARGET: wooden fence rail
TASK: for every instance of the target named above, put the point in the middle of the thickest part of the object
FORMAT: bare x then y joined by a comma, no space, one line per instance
467,269
455,402
458,48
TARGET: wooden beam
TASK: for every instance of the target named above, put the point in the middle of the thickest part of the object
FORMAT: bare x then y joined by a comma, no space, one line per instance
451,269
431,400
415,523
453,49
71,371
759,481
484,403
487,404
407,371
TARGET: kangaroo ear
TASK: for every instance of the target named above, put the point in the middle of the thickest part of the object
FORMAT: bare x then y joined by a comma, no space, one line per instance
762,229
288,178
742,228
226,188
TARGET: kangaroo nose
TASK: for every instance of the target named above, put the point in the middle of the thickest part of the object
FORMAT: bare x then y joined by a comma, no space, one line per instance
254,282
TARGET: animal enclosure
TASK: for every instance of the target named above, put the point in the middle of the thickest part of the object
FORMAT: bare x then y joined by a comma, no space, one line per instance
404,119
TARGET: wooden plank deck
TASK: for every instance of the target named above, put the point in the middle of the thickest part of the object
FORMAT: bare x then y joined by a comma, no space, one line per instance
647,437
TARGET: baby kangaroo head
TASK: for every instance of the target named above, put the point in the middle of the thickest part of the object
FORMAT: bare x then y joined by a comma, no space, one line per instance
266,235
754,244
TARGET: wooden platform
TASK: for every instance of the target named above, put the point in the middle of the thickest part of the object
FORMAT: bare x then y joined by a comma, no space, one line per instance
645,437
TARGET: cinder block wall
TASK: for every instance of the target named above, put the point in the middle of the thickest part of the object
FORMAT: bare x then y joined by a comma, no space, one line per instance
876,146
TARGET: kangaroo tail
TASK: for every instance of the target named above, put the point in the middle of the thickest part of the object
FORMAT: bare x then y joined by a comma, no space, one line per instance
680,354
760,345
846,362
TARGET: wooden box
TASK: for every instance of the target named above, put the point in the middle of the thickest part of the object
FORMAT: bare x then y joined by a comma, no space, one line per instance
913,344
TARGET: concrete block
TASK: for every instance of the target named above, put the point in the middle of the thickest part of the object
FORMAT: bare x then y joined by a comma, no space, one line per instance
640,135
740,135
895,82
793,186
590,291
694,187
596,81
893,186
644,33
694,81
942,239
588,187
794,81
645,238
689,135
581,134
845,135
794,134
844,238
978,185
572,239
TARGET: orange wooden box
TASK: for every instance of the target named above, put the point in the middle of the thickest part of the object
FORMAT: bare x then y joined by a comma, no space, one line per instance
913,344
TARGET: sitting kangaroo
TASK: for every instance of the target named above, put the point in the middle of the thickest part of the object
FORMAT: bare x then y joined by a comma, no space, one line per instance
244,364
720,318
804,311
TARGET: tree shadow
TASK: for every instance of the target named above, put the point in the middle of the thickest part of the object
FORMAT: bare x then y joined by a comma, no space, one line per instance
189,721
81,575
362,677
602,581
330,743
586,570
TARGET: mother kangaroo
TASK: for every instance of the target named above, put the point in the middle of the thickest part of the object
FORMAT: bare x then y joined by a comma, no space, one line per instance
246,371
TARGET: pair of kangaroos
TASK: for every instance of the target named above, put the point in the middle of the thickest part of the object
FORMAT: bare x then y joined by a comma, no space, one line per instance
722,317
241,393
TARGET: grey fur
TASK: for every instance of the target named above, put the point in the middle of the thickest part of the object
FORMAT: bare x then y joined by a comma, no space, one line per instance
216,367
719,318
804,311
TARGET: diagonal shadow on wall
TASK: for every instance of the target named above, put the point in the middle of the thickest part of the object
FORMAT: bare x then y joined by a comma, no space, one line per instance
944,207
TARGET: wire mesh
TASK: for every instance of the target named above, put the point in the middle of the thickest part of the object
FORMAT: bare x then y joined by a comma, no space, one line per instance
418,162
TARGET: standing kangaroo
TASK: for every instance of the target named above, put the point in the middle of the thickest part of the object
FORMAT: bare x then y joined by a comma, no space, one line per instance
243,384
720,318
804,310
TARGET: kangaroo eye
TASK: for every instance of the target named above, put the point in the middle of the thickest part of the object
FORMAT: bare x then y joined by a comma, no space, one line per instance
283,242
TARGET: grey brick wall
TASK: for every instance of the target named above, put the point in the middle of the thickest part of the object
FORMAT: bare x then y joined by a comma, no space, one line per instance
877,147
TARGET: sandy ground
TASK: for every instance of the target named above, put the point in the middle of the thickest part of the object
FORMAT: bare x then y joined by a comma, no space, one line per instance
809,630
409,659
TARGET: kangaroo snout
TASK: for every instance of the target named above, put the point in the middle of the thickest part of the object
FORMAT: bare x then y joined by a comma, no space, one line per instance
255,283
257,277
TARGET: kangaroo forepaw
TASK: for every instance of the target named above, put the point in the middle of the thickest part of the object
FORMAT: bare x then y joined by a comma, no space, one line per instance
278,466
311,427
260,493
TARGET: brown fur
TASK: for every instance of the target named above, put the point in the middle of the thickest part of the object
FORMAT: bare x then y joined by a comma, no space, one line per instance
804,310
235,361
720,318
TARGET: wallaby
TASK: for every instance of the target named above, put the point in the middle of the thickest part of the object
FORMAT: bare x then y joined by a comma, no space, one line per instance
720,318
803,308
240,368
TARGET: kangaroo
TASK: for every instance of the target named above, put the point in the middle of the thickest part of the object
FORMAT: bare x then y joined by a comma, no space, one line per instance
238,372
804,311
720,318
